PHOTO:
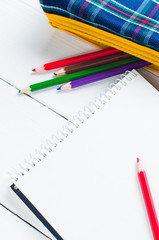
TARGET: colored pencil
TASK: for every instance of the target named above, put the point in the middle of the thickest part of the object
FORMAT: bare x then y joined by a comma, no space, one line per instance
99,76
148,200
76,59
92,63
73,76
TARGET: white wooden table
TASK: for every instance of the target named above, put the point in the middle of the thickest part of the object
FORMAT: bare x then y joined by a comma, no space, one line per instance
27,41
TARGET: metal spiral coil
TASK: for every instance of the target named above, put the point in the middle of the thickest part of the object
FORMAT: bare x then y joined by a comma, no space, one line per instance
82,116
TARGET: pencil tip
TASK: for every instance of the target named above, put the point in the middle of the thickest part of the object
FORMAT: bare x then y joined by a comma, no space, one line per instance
59,88
19,91
34,70
138,160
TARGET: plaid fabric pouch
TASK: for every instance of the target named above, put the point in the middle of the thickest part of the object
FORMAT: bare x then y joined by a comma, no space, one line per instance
131,26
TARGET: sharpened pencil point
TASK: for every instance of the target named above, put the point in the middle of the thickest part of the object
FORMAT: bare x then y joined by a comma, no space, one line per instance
34,70
25,90
59,88
139,166
19,91
60,72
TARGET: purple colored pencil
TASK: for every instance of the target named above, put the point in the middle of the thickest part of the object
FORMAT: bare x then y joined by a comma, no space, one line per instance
109,73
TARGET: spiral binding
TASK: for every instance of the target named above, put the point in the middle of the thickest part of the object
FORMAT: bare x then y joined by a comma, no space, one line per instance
49,144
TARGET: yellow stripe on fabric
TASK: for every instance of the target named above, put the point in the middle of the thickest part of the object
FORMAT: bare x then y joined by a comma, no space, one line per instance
104,39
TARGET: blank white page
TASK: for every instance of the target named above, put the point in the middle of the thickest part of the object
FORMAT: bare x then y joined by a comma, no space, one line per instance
88,187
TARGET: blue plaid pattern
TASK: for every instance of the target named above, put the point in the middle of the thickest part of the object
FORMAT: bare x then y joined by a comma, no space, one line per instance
136,20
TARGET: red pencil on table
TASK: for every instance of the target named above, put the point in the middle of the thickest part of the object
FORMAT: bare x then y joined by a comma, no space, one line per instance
76,59
148,200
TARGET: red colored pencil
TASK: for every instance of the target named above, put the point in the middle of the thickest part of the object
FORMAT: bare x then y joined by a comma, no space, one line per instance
76,59
148,200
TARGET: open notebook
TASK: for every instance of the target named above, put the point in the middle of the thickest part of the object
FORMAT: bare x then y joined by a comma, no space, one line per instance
87,188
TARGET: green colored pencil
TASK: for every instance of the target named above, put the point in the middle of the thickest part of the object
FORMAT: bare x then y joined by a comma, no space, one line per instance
77,75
